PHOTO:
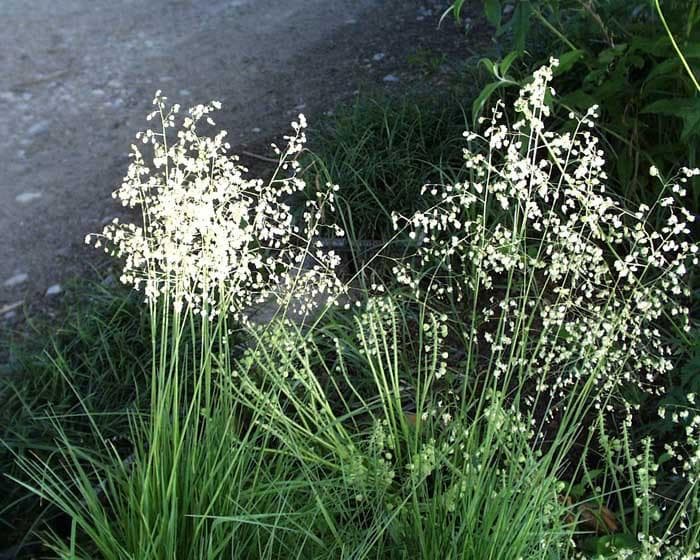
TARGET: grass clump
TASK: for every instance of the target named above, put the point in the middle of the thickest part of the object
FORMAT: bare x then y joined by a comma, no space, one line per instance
382,151
91,370
476,400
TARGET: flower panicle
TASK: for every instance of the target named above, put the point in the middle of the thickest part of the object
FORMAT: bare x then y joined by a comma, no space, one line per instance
212,238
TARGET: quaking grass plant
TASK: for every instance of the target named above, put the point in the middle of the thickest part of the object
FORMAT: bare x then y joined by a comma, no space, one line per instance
561,293
475,405
211,248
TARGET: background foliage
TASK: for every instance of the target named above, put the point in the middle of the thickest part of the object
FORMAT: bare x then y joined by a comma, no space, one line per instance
638,61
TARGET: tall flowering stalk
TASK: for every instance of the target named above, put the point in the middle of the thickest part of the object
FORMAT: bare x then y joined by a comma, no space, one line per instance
564,286
213,239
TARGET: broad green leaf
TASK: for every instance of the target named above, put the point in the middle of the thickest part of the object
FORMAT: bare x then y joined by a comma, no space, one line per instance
567,60
507,62
492,9
581,488
691,50
521,23
635,60
691,126
614,90
660,46
608,55
491,66
578,100
676,107
483,97
457,9
687,109
609,546
668,66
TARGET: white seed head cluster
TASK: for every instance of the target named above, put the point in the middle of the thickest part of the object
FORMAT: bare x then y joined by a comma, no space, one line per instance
686,452
570,286
211,238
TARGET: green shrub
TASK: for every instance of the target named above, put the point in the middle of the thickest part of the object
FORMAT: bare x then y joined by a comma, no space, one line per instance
641,71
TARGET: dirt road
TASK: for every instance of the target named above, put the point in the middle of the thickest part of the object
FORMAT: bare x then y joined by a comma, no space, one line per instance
77,77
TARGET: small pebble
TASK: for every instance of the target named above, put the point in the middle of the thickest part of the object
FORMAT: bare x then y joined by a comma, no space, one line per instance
391,78
38,128
5,310
54,290
379,56
16,280
26,197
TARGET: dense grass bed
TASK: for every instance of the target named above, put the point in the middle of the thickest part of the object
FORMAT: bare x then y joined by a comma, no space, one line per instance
472,387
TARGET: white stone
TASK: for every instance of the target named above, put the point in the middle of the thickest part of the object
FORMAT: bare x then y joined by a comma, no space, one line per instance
26,197
391,78
16,280
54,290
379,56
8,310
38,128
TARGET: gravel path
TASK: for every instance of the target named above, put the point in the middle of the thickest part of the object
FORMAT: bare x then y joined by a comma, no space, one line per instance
77,77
